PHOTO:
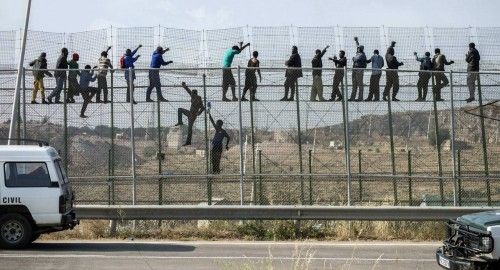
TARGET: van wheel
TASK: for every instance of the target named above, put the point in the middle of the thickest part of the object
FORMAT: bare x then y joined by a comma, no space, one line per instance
15,231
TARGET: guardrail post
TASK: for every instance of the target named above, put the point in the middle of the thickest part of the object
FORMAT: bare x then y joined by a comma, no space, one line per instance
391,140
410,191
347,147
438,141
310,178
299,141
360,184
483,140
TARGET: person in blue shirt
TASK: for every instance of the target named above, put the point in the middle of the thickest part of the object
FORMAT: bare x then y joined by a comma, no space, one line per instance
154,74
377,64
227,73
129,61
86,77
217,143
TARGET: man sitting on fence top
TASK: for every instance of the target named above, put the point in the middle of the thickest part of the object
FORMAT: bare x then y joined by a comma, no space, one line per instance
196,109
227,73
154,74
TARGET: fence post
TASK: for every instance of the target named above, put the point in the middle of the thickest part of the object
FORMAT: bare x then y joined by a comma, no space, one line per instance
483,140
132,138
347,147
260,176
391,140
253,151
207,153
410,191
299,138
437,135
452,142
24,103
65,131
112,137
459,172
310,178
160,155
18,125
360,184
241,136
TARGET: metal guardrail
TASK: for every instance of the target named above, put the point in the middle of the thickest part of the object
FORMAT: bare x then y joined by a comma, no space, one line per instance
236,212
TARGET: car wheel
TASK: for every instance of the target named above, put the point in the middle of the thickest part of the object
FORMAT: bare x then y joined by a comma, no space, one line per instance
15,231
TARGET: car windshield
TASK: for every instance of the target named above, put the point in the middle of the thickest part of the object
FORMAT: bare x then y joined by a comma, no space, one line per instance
60,171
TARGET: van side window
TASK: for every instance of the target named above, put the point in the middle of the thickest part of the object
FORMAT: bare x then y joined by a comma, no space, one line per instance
26,174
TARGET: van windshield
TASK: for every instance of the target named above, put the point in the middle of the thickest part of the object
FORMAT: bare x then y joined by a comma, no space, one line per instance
60,171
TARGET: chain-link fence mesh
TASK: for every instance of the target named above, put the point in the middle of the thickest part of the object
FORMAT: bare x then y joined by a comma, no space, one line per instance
392,147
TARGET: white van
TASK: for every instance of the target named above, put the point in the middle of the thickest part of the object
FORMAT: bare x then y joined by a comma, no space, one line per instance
35,196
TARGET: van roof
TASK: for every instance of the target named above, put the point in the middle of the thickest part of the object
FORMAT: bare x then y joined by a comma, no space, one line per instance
27,153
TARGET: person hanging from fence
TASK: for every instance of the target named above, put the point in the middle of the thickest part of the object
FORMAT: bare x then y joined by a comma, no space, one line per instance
217,143
424,75
195,110
127,62
377,62
154,74
60,76
441,81
359,64
73,86
292,74
392,77
250,78
340,63
102,83
39,71
86,77
317,85
472,58
227,73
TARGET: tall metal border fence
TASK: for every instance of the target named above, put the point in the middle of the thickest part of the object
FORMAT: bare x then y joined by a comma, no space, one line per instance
281,152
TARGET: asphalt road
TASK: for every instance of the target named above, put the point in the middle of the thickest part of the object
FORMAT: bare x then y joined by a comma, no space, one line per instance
138,255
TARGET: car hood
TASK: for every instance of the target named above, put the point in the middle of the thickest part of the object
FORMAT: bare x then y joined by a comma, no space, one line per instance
481,220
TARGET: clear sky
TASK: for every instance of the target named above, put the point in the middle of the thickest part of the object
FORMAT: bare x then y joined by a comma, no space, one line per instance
73,16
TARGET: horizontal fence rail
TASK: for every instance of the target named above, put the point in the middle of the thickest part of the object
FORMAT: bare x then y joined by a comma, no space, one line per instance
186,212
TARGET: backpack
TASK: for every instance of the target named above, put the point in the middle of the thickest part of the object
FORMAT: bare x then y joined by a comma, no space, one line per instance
427,64
122,62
